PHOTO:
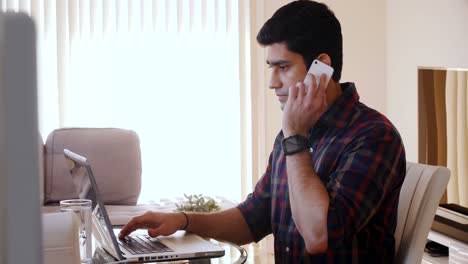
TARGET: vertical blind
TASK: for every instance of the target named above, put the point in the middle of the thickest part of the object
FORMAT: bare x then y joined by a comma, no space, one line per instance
456,93
168,69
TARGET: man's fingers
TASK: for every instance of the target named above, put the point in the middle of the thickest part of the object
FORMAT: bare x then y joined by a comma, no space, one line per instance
313,84
292,93
153,232
128,229
323,79
134,224
324,101
301,89
321,86
311,80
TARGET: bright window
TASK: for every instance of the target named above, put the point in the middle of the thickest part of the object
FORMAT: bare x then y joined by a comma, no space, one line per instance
168,70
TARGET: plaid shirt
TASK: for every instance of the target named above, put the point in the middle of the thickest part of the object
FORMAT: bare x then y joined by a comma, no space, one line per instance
359,156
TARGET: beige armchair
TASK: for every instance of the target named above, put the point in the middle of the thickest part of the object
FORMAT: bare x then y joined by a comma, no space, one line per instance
115,157
113,153
419,197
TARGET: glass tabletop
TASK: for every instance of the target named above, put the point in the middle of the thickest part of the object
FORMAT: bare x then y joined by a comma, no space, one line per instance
233,254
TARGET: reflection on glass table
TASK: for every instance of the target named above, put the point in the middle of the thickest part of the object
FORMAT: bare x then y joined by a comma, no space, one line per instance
233,254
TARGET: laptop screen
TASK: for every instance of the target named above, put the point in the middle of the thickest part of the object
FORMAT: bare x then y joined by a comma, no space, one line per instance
86,188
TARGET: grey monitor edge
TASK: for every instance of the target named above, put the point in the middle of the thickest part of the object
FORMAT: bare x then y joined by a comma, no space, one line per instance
20,214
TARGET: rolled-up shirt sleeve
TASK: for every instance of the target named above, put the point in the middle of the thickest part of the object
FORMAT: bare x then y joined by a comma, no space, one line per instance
367,171
256,209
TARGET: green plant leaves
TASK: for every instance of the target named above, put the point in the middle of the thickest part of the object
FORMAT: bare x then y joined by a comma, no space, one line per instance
198,203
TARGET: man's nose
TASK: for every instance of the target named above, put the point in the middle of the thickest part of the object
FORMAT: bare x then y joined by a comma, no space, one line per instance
275,82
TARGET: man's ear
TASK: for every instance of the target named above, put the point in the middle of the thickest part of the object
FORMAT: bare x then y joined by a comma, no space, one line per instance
323,57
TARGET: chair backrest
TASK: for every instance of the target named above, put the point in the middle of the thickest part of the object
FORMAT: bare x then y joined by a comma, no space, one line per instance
419,197
114,155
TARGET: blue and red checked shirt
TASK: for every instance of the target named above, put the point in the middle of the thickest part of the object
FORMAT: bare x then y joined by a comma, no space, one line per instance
359,156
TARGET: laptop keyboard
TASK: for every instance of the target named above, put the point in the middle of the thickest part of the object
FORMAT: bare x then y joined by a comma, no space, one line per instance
143,245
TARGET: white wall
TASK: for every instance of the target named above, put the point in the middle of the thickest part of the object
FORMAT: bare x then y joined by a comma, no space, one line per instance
364,44
420,33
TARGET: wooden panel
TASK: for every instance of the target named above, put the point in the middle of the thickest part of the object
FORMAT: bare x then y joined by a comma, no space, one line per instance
432,118
441,116
421,119
427,118
441,121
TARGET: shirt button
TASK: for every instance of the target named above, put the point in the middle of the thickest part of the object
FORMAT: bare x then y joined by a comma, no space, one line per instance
287,249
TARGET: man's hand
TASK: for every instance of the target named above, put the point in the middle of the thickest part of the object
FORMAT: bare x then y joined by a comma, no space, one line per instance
157,224
304,107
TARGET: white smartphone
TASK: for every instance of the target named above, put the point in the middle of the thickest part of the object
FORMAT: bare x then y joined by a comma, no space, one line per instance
317,69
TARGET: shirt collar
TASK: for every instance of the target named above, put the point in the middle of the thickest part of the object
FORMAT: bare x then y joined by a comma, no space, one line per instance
340,112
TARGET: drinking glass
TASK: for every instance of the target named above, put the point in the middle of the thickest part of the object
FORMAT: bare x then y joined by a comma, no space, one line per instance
82,208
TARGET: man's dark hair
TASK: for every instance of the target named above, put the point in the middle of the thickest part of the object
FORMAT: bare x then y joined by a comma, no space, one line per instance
308,28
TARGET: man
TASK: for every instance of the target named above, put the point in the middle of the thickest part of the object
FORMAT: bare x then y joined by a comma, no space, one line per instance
330,192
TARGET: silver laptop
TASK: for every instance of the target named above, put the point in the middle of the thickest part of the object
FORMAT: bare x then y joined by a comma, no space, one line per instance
180,245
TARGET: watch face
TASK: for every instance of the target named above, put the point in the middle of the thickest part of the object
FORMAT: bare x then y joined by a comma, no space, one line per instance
294,144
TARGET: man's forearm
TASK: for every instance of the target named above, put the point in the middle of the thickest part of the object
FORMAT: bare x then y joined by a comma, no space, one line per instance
309,201
228,225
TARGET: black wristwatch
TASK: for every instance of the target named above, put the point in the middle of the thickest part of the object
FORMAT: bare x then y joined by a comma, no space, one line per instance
294,144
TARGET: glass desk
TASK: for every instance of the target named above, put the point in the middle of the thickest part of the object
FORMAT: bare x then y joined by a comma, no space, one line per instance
233,254
252,253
